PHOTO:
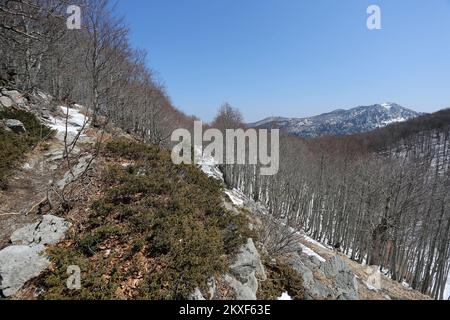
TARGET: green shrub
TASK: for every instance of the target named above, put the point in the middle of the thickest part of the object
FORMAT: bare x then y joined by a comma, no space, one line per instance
281,278
171,215
14,146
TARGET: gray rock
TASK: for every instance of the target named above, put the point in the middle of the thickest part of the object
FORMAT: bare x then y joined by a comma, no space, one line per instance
342,276
77,171
197,295
18,264
16,97
332,267
6,102
248,261
242,291
49,231
212,288
245,271
15,125
315,261
332,279
23,260
306,273
3,125
321,291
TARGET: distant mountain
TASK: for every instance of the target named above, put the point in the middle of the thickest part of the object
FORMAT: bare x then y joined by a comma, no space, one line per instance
341,122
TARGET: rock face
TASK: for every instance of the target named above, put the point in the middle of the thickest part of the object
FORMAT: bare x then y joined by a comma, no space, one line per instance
332,279
15,125
24,260
245,271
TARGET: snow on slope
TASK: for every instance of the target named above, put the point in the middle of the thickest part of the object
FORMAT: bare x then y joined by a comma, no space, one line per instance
76,121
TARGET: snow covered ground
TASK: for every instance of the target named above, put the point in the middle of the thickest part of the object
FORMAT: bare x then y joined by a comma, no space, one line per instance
236,196
76,121
285,296
447,290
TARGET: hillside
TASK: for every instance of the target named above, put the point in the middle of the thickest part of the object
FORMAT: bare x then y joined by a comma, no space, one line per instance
134,224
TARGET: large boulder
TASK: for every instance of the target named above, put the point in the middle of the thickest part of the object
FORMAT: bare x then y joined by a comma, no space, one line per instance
332,279
245,271
18,264
24,260
342,276
15,125
247,261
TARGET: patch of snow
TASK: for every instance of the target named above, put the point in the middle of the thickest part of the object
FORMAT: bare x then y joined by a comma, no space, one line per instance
75,122
387,106
27,167
447,289
391,121
236,196
208,165
314,242
406,285
285,296
311,253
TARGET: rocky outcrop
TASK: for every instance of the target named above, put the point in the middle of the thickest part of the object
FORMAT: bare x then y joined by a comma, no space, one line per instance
15,96
24,259
332,279
245,271
15,126
50,230
18,264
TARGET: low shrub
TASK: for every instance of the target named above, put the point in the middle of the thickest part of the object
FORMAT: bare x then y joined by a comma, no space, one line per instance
172,216
14,146
281,278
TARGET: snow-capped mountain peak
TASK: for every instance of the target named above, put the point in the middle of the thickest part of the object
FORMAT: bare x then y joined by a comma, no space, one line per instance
341,122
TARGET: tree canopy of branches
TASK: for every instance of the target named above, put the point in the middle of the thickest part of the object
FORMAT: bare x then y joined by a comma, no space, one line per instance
95,66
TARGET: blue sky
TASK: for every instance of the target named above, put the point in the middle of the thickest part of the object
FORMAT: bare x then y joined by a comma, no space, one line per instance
294,58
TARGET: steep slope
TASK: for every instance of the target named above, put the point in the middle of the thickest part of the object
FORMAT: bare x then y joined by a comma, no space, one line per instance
341,122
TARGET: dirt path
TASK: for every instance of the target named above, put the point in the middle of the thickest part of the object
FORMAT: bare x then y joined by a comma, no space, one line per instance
19,204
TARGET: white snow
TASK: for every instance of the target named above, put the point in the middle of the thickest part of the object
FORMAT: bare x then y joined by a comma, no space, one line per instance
236,196
447,289
285,296
75,122
208,165
314,242
395,120
311,253
387,106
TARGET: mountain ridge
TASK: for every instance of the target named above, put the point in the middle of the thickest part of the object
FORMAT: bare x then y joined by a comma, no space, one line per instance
340,121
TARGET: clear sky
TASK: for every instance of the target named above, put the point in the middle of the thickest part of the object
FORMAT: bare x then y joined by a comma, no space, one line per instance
294,58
